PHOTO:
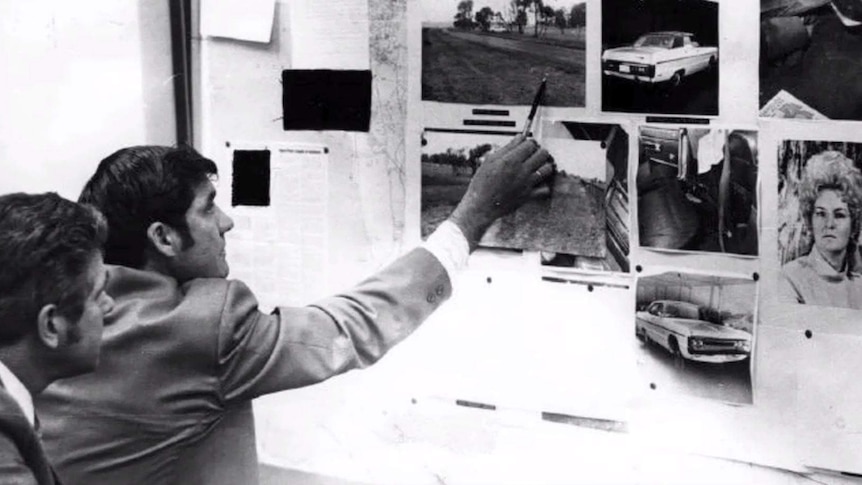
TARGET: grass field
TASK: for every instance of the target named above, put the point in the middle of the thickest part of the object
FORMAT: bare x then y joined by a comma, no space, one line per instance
504,69
441,191
575,39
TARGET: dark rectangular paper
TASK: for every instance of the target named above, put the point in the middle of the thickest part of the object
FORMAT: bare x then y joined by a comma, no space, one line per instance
250,178
323,99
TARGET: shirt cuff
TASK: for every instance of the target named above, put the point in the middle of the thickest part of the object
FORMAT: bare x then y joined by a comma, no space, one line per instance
448,244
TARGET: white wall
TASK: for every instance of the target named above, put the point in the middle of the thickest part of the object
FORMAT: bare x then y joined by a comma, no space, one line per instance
80,80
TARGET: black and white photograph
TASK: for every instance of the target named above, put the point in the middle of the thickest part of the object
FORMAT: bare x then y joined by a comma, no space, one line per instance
697,189
811,59
819,208
449,161
660,56
696,334
572,141
578,220
492,51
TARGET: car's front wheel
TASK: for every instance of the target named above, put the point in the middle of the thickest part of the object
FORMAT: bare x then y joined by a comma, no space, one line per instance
678,359
676,79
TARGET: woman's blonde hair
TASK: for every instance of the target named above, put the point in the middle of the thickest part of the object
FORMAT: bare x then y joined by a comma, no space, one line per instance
832,170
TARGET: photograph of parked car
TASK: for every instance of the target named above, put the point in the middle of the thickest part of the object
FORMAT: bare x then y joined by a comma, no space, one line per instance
811,59
492,51
819,218
695,334
697,189
660,56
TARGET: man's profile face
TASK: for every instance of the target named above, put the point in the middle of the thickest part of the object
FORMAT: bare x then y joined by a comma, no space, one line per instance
205,255
85,336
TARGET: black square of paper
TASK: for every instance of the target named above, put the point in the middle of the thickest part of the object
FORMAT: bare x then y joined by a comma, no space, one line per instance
322,99
250,178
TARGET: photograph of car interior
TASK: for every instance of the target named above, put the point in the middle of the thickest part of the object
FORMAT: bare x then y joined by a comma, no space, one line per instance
812,49
707,204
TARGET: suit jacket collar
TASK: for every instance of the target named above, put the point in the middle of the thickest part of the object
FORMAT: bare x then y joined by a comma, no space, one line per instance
16,389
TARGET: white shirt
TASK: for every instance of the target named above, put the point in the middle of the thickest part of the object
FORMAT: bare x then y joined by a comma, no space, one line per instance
448,244
18,392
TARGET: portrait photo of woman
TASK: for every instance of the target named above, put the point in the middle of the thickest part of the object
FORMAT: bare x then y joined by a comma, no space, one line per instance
820,202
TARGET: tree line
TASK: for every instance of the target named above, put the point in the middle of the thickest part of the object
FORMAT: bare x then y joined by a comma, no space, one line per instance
458,159
516,17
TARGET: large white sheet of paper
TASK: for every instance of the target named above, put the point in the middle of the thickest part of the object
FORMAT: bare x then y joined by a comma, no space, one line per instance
281,251
331,34
829,422
249,20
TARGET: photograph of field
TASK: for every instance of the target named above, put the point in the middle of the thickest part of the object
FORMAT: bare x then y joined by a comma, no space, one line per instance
493,51
571,221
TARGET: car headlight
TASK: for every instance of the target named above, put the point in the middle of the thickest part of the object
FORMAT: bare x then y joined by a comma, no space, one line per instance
742,345
696,343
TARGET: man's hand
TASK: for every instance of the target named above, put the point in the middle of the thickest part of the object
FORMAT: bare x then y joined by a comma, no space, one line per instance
503,182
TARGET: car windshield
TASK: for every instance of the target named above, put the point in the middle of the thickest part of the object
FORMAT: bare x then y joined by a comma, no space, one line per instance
653,40
681,311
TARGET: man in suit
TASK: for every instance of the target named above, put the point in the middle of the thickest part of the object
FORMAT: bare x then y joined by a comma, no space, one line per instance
185,350
52,304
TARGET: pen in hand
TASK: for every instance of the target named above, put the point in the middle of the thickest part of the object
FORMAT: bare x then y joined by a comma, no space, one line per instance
536,101
543,190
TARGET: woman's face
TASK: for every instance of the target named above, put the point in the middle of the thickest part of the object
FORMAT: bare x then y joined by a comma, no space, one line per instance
830,222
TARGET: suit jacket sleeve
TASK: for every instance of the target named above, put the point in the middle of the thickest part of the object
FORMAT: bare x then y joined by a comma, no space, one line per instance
294,347
13,468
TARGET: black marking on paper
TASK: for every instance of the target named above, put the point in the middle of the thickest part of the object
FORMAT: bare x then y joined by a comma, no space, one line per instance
595,423
490,112
324,99
507,124
250,184
677,120
473,404
471,132
589,284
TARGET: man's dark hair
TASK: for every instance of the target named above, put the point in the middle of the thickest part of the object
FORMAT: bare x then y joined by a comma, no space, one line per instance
46,246
137,186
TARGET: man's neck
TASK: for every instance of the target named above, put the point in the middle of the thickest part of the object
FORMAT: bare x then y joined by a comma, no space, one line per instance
24,365
157,266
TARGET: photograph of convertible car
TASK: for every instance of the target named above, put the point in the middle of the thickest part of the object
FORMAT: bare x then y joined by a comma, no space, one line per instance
696,334
493,51
660,56
697,189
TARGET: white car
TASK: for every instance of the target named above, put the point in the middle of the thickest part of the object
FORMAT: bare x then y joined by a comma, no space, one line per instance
678,327
659,56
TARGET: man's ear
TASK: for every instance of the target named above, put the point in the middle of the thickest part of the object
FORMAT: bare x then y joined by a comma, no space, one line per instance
165,239
52,328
